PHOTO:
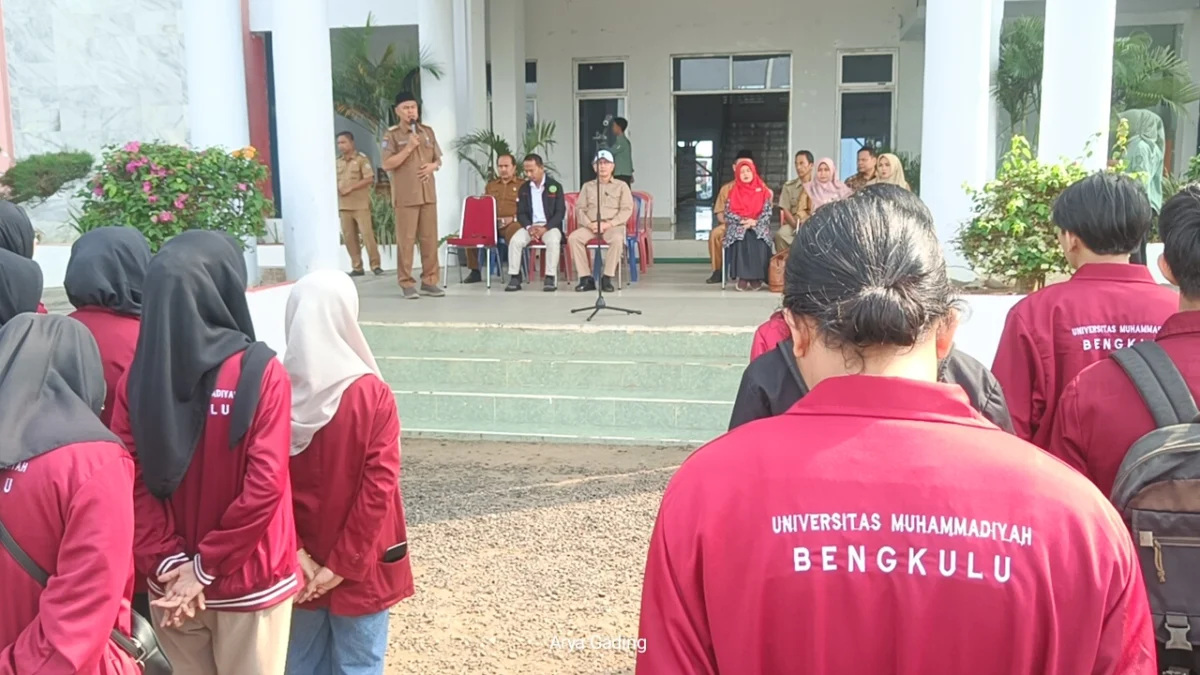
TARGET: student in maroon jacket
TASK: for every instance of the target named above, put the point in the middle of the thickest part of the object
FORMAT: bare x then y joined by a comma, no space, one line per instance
17,236
881,525
67,503
345,484
1107,304
104,283
207,411
1101,413
20,285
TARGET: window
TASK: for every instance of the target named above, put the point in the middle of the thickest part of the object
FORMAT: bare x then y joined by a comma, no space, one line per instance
732,73
531,118
600,76
866,104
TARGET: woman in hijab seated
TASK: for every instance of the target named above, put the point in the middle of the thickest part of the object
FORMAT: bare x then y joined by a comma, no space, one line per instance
104,283
772,383
825,187
20,286
345,484
207,410
17,235
882,510
66,504
890,171
748,241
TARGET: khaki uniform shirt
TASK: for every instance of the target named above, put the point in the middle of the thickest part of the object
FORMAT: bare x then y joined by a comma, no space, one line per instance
616,203
719,205
349,172
506,196
407,187
795,200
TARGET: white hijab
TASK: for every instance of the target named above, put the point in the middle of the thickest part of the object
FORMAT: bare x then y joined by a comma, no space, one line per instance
326,350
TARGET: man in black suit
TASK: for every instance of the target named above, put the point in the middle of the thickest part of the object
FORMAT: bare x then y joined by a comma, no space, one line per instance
541,209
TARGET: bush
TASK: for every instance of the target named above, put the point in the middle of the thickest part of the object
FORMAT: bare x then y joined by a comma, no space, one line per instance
39,177
1011,235
163,190
383,217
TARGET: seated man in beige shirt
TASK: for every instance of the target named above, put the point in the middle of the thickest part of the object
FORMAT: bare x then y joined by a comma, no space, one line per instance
716,238
612,201
795,206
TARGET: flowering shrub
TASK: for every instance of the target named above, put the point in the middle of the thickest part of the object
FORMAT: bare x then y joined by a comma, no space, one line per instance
163,190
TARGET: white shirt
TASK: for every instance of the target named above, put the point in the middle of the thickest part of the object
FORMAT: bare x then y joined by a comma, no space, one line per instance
535,199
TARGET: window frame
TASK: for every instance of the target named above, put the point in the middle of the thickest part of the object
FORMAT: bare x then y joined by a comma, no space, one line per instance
729,56
600,93
866,88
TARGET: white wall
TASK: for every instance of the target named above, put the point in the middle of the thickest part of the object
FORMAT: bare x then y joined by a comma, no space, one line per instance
343,13
648,34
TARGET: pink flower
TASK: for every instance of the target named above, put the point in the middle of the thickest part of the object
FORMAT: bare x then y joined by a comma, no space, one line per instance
153,199
242,187
98,191
131,167
165,217
146,187
133,146
180,201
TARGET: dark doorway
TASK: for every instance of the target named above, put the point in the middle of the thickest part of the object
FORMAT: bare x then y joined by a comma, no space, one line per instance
595,119
710,129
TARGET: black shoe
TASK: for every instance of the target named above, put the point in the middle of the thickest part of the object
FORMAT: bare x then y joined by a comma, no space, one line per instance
586,284
473,278
606,284
715,278
514,283
357,273
549,285
378,271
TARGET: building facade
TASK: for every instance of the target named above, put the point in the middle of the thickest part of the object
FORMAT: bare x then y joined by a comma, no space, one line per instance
697,79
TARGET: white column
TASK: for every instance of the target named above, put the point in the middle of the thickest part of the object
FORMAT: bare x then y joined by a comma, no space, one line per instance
216,73
304,126
506,45
1187,133
994,109
439,105
1077,81
470,62
956,117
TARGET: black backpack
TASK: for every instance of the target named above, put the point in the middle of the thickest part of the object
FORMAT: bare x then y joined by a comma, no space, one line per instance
1157,490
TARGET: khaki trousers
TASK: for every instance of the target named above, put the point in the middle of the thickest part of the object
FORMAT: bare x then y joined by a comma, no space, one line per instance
356,224
517,243
417,225
506,232
716,242
784,238
578,240
228,643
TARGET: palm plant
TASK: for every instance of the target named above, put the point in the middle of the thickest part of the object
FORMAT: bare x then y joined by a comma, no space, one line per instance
365,87
1018,87
482,147
1146,76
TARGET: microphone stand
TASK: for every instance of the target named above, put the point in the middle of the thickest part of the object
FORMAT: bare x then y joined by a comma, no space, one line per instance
598,261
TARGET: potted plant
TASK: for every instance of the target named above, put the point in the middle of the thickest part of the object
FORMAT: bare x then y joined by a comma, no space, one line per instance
481,148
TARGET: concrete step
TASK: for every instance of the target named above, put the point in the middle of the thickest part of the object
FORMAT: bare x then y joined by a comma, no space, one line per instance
680,377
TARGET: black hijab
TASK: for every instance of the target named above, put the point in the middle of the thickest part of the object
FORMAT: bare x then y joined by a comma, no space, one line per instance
20,285
51,387
193,319
107,268
16,232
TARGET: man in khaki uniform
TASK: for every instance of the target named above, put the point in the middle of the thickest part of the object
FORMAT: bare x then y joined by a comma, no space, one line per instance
716,238
866,169
411,154
355,178
795,206
615,201
503,189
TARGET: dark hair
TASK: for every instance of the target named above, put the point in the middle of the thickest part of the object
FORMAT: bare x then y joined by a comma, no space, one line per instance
621,122
535,158
347,134
744,154
869,270
869,150
808,155
1179,226
512,158
404,97
1109,212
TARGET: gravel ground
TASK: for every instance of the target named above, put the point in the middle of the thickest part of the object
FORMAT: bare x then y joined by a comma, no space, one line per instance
520,549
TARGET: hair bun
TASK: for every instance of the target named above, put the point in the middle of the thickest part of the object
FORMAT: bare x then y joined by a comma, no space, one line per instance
880,315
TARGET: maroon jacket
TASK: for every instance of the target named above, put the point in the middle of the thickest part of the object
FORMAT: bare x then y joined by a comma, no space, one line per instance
1101,413
882,526
1058,331
346,492
73,511
116,335
230,517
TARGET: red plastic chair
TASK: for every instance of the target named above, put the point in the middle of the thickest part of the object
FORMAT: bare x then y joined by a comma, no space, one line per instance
536,264
477,231
596,243
646,235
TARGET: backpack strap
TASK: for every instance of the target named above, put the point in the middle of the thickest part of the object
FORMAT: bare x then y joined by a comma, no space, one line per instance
14,549
1159,383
